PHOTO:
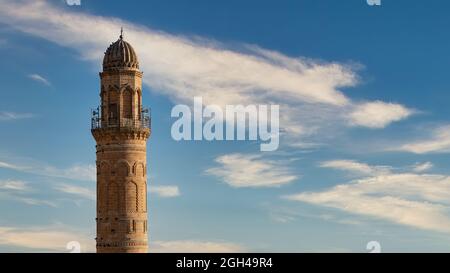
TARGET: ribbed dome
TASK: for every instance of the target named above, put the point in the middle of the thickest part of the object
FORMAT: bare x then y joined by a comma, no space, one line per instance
120,55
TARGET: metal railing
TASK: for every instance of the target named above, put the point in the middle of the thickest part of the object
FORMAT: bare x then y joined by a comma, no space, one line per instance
145,121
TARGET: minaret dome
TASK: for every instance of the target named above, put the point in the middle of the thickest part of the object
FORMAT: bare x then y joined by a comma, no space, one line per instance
120,55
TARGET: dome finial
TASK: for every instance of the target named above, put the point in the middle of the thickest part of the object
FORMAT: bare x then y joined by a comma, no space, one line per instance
121,33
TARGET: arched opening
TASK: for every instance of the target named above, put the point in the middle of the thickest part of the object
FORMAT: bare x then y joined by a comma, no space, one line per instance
127,100
113,108
140,169
122,169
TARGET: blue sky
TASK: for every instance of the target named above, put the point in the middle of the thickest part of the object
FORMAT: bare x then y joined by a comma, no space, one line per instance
363,97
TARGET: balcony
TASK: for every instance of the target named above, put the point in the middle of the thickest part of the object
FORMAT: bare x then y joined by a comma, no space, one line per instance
98,123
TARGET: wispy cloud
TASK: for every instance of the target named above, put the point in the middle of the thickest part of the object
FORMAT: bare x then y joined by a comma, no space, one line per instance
251,171
56,237
75,172
44,239
284,215
355,167
183,67
40,79
83,192
422,167
24,198
9,116
21,191
378,114
416,200
190,246
14,185
437,142
36,202
165,191
9,166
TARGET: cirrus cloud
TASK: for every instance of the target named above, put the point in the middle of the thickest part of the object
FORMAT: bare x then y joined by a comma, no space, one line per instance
165,191
378,114
192,246
411,199
44,239
14,185
355,167
76,190
309,92
40,79
85,172
9,116
437,142
251,171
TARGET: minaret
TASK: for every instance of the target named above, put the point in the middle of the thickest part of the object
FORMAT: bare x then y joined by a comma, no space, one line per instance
121,128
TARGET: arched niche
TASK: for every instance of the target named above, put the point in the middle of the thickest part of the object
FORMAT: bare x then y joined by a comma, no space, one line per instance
131,196
122,168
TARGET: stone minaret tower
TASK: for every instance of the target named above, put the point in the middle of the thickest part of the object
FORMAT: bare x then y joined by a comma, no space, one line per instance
121,128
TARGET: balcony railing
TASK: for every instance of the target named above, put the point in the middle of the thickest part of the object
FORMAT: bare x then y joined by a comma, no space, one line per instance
98,123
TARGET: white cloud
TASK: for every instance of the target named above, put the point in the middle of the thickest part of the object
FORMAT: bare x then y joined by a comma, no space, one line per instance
75,172
182,67
251,171
56,237
6,165
281,214
355,167
17,190
18,196
378,114
86,172
8,116
416,200
76,190
44,239
282,218
189,246
284,215
165,191
14,185
182,64
438,142
35,202
422,167
39,78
